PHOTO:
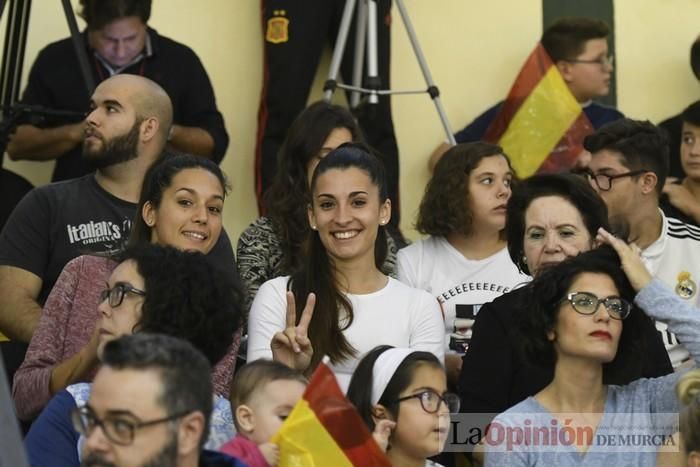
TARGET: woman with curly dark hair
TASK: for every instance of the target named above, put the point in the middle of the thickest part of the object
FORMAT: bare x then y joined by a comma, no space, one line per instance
158,290
181,205
274,244
340,303
584,317
464,263
550,217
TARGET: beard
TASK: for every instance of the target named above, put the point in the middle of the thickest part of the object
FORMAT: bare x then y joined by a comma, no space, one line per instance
166,457
119,149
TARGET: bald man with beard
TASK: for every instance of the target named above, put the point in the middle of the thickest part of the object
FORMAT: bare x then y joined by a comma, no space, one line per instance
125,132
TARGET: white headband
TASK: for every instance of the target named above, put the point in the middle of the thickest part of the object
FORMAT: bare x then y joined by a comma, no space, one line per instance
384,368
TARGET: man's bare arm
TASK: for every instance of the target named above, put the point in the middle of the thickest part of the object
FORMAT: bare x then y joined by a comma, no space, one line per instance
19,310
40,144
191,139
436,155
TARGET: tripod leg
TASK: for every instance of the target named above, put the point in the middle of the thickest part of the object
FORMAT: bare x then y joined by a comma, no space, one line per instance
432,89
330,85
359,57
373,80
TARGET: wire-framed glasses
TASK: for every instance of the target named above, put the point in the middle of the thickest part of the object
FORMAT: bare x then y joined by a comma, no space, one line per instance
587,303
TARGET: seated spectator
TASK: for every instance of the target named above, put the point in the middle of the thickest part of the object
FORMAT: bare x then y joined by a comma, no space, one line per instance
682,199
578,47
154,381
117,40
628,169
464,263
158,290
181,205
355,306
550,218
273,245
401,394
263,393
674,125
581,322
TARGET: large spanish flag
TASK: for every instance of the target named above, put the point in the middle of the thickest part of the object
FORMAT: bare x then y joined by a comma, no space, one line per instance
540,126
324,429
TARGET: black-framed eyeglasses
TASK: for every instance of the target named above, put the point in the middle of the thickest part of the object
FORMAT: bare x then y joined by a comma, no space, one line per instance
587,303
430,400
604,181
116,293
118,428
602,61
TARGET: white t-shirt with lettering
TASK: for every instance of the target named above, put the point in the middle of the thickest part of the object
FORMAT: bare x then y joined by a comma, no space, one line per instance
461,285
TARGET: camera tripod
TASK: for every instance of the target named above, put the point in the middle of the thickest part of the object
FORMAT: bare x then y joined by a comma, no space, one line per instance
366,38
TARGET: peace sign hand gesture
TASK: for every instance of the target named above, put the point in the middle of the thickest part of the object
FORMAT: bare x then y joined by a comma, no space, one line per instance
292,346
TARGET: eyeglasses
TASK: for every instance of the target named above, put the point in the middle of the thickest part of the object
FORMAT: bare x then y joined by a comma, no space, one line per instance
116,293
430,400
604,181
602,61
119,429
587,303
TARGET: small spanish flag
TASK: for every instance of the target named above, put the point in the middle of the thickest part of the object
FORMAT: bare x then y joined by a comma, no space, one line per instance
540,126
324,429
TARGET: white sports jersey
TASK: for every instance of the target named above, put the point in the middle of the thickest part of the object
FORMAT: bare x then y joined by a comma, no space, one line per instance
675,259
461,285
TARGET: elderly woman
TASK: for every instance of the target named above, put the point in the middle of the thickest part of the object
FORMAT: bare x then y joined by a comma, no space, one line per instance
549,218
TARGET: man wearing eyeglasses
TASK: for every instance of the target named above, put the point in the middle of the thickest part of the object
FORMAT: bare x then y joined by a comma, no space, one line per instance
628,168
150,405
579,49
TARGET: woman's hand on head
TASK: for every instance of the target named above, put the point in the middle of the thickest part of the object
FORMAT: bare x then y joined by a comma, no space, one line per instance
292,346
630,258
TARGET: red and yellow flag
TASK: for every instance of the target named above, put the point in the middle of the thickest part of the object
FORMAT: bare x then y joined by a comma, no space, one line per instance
324,429
540,126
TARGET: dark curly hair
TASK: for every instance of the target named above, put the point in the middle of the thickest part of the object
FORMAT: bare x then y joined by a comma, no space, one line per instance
444,208
543,303
642,145
158,178
289,194
186,297
573,188
318,274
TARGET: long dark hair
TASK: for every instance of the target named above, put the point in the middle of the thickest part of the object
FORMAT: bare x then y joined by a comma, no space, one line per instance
318,274
289,194
360,389
158,178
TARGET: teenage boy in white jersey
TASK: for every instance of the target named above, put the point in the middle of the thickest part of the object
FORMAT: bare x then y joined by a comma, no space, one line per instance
628,168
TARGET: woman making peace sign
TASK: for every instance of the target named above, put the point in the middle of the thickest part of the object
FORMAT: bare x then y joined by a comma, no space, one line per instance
339,303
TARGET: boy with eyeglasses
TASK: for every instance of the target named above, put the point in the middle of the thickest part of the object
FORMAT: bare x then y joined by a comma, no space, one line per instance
628,168
578,47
